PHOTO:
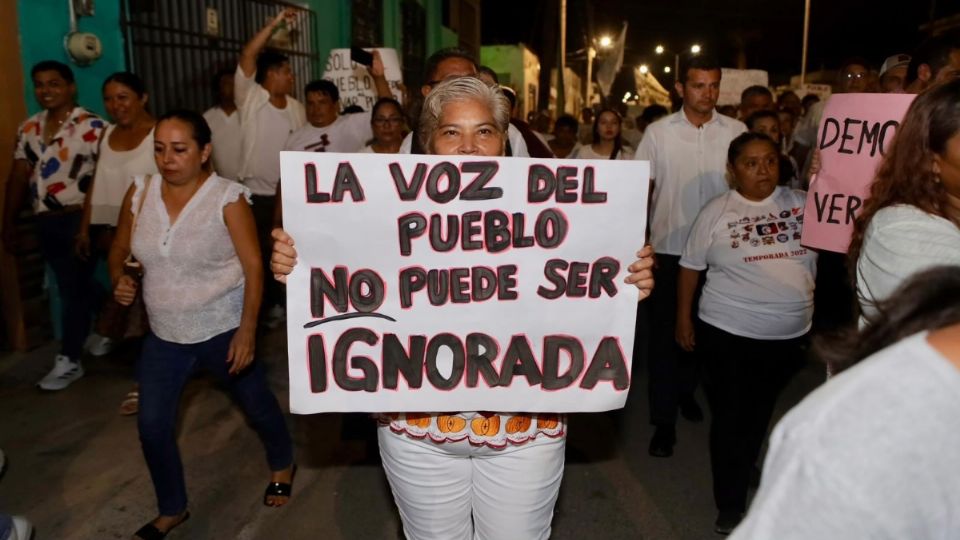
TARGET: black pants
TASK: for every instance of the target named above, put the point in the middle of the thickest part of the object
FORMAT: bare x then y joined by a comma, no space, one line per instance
57,233
263,206
742,378
833,297
673,372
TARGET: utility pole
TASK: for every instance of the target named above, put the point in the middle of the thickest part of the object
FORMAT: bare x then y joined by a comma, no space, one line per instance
806,39
562,60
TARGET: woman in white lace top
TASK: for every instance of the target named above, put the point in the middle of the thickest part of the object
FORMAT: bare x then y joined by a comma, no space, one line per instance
194,235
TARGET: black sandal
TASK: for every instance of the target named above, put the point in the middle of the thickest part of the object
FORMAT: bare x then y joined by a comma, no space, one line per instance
279,489
151,532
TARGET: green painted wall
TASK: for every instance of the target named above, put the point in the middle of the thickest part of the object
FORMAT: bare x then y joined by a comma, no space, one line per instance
44,23
333,27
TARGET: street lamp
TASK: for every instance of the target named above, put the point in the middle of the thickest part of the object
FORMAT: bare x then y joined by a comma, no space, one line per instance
660,49
606,41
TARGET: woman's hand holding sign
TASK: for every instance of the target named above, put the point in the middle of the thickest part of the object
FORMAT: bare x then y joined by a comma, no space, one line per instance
284,256
641,272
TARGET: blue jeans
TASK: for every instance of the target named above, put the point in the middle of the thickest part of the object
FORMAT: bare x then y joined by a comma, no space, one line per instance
163,371
6,526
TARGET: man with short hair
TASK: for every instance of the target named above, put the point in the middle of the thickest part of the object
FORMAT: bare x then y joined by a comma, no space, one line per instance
893,72
326,129
263,84
687,151
224,124
446,64
54,159
755,98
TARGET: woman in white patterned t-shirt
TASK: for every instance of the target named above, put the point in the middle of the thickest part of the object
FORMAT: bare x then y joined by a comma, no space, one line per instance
194,235
754,312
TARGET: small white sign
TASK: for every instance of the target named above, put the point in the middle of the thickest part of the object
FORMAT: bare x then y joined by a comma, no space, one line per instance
354,81
734,81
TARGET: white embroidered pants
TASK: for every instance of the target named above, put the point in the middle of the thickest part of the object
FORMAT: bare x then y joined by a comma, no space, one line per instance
509,493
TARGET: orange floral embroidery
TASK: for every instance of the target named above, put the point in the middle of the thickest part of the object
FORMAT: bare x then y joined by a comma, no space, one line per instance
548,421
450,424
419,420
486,425
518,424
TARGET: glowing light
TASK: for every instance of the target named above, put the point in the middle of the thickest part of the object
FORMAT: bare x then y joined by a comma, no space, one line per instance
666,69
606,41
695,49
659,49
644,69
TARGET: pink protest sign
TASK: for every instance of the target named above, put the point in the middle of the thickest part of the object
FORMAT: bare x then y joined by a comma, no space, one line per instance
855,132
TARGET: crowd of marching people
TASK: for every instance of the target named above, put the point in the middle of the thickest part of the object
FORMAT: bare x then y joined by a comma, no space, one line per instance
184,210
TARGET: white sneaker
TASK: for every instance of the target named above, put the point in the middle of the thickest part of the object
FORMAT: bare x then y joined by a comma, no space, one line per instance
98,345
63,373
22,528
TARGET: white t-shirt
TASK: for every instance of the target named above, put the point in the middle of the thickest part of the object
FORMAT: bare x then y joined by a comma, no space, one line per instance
273,130
348,133
871,454
689,166
259,168
759,278
899,242
586,152
227,142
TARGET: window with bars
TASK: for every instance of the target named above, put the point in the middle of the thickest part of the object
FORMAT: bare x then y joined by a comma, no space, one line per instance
177,46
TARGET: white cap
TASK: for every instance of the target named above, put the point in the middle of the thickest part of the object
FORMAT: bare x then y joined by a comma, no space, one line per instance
894,61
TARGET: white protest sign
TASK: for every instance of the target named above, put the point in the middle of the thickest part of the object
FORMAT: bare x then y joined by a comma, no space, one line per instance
734,81
354,81
453,283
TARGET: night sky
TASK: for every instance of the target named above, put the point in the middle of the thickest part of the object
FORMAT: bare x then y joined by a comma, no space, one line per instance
771,31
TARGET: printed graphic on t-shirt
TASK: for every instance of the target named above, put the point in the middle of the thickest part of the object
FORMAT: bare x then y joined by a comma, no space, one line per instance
319,146
767,230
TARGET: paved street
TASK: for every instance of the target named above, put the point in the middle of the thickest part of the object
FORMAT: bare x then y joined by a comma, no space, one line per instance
75,468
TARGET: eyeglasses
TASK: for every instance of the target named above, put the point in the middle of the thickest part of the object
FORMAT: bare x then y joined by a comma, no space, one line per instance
859,75
381,121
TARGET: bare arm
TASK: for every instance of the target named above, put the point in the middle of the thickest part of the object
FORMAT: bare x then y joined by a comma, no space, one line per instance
243,232
17,184
686,288
248,56
379,76
124,287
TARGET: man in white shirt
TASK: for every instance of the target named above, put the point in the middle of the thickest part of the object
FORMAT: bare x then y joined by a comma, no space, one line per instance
446,64
263,83
326,129
687,151
224,124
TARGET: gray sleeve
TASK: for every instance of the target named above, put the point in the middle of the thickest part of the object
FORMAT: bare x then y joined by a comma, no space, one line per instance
804,497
